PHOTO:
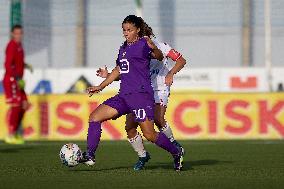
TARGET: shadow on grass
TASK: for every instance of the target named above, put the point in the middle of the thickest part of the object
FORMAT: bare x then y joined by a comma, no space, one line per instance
15,149
187,166
103,169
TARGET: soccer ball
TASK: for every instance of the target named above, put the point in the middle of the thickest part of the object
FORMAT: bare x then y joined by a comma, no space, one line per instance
70,154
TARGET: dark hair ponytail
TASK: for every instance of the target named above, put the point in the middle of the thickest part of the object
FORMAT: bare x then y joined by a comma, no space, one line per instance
146,29
138,22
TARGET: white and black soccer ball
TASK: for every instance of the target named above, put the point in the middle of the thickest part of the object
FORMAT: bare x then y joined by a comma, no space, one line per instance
70,154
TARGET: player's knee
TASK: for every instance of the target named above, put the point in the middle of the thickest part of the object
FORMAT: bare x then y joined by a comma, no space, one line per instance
160,122
93,117
150,136
131,132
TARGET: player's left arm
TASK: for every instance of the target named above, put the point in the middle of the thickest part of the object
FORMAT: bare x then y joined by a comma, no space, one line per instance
180,62
156,52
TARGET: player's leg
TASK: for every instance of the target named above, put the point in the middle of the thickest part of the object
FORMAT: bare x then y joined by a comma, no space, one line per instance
100,114
134,136
147,128
136,142
161,140
161,123
110,109
13,119
161,100
143,111
10,90
24,107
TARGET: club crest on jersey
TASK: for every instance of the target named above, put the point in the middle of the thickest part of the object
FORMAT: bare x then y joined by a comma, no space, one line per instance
123,54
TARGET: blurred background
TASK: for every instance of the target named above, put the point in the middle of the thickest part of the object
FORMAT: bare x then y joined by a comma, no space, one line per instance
211,33
234,52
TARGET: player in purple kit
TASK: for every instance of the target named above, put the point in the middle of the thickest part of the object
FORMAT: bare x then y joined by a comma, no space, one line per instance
162,78
135,95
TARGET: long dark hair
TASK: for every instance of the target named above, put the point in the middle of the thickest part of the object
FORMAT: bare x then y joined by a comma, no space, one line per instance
146,29
138,22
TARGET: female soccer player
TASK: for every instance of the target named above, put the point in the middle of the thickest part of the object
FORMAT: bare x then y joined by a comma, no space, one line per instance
162,79
14,85
135,95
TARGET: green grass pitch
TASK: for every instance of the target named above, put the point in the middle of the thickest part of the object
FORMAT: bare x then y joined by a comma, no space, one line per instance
208,164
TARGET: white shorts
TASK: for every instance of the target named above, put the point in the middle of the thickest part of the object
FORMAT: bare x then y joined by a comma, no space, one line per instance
162,97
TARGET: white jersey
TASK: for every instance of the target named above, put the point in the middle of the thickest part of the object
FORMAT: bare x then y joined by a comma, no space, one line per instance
159,69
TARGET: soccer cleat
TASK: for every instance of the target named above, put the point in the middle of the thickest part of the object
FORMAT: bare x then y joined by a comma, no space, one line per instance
141,162
20,139
88,160
178,160
12,139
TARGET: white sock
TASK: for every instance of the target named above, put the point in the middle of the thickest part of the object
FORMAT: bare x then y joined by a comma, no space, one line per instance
137,144
168,132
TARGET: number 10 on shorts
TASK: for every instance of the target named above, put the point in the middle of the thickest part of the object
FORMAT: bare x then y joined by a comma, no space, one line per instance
140,113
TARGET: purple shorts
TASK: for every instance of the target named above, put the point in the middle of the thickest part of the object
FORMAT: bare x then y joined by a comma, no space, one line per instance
140,104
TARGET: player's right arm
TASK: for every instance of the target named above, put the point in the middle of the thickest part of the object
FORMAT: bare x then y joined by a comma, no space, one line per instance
156,52
103,73
108,80
111,77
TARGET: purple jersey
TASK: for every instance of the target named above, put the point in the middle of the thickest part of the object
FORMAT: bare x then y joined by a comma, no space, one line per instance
134,63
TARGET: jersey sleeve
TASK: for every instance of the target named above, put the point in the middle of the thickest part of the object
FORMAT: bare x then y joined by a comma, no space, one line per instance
164,47
10,55
117,59
168,51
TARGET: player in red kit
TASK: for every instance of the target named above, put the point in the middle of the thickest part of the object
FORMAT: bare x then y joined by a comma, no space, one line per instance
14,85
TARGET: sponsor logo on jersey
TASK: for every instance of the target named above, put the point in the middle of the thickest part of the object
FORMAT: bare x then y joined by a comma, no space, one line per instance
154,71
124,66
